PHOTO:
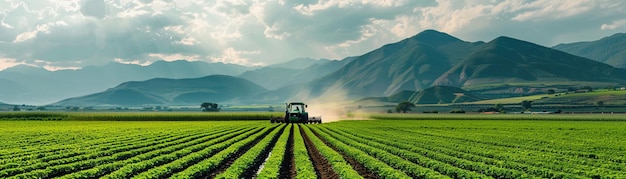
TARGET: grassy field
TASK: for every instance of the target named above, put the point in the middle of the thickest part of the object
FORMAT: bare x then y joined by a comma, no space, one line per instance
394,146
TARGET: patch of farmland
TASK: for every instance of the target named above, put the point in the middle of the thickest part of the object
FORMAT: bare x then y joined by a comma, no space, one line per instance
424,148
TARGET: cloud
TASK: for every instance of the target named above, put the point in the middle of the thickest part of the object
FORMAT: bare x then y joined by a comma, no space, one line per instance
75,33
230,55
614,25
93,8
8,62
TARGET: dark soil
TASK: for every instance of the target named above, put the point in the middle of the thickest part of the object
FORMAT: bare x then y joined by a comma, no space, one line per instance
323,169
358,167
287,167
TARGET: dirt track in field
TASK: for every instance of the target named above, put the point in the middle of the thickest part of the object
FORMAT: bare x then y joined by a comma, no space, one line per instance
358,167
323,169
287,167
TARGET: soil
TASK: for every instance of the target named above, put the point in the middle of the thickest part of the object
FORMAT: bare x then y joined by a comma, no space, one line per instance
358,167
323,168
287,167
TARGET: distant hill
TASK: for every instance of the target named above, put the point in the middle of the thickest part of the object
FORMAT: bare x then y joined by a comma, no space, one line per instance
274,76
610,50
34,85
508,60
442,95
162,91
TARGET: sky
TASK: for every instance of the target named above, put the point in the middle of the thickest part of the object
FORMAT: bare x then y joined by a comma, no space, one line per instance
70,34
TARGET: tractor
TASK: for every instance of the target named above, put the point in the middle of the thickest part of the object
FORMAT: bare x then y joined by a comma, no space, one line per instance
295,112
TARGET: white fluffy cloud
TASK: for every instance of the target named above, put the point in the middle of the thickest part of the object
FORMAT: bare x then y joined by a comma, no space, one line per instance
74,33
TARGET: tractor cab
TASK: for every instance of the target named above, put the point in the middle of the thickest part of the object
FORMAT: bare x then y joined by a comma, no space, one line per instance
296,107
295,112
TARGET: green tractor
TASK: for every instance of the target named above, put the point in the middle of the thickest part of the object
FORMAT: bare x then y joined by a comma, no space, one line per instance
295,112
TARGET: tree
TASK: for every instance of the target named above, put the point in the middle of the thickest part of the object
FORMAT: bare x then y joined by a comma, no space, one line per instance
209,107
551,91
571,89
588,88
457,111
499,107
15,108
404,106
526,105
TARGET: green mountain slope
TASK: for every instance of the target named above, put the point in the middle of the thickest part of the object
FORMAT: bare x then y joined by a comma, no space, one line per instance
161,91
411,64
508,60
610,50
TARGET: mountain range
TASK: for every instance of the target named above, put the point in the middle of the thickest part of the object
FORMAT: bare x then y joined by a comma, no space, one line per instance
162,91
507,60
433,58
32,85
423,62
296,71
610,50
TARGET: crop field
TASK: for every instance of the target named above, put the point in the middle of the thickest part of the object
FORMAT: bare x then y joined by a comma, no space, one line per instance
396,146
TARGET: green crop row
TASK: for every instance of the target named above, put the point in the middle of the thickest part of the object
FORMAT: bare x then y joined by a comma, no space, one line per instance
539,162
204,167
498,149
304,166
93,148
36,139
435,161
397,162
195,157
447,154
271,167
541,156
253,155
343,169
371,163
133,165
83,148
68,165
